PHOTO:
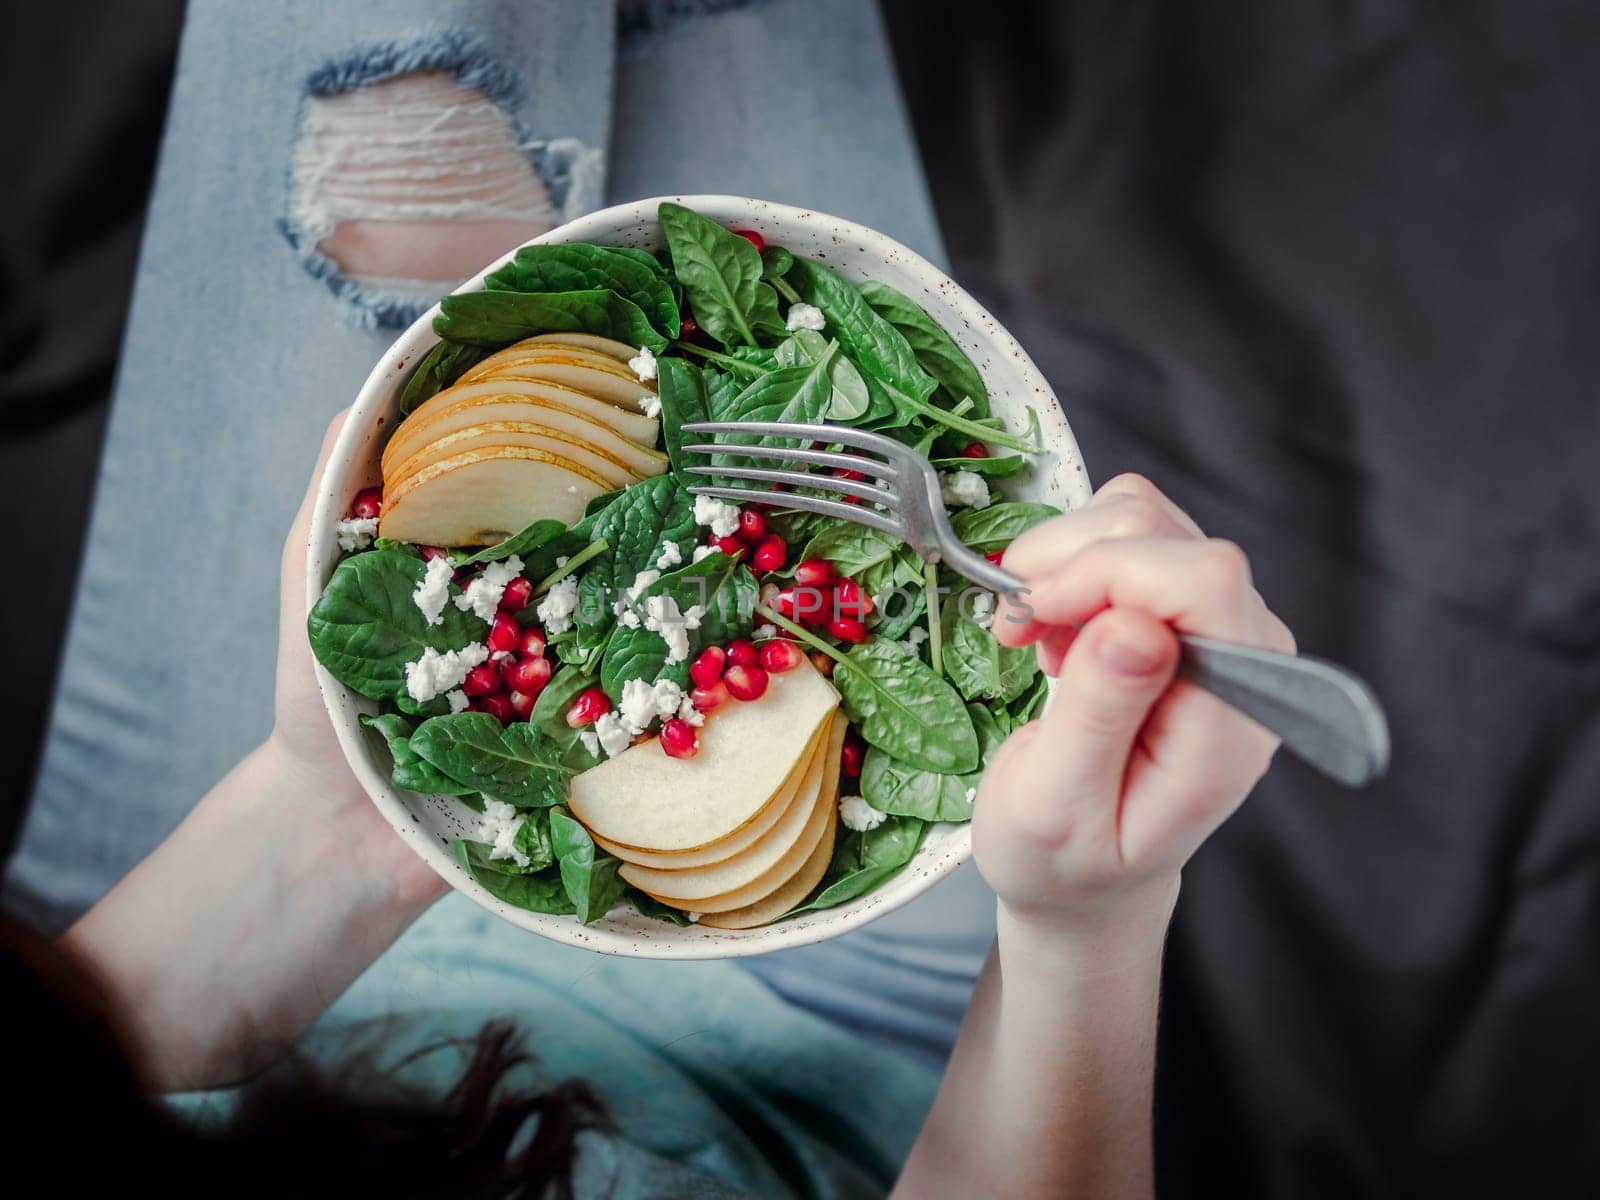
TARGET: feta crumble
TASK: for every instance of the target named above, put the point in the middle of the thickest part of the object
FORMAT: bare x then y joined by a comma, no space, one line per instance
433,593
689,714
670,556
650,404
662,615
434,673
483,593
858,815
590,740
983,609
458,700
559,603
972,794
765,631
916,635
356,533
964,487
643,364
702,552
498,826
643,702
804,316
722,517
612,735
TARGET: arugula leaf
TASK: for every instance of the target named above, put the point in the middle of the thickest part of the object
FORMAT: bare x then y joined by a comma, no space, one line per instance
721,276
682,390
727,591
901,706
581,267
935,350
410,771
549,717
544,892
539,533
1002,466
996,527
513,763
365,627
643,517
590,877
981,667
495,318
862,861
898,788
439,368
649,906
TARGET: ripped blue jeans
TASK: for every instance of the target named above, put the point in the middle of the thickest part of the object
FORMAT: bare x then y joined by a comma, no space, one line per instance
327,170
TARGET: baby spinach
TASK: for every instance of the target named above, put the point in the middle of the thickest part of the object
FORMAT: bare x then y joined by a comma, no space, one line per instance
852,548
634,526
800,393
544,892
863,861
523,543
494,318
935,350
439,368
533,840
580,267
682,389
649,906
1030,703
870,341
590,877
721,276
995,527
898,612
898,788
850,400
981,667
513,763
549,717
410,771
901,706
718,583
365,627
405,548
1001,466
775,262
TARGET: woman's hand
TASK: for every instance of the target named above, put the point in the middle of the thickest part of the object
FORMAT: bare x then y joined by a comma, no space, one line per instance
1088,814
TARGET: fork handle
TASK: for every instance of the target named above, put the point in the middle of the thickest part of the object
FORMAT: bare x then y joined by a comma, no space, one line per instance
1323,713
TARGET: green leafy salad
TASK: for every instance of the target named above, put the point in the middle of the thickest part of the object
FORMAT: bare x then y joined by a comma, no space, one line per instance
714,713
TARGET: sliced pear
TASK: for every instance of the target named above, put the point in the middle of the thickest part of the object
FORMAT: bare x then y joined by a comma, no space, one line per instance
599,377
773,905
610,347
687,886
484,496
518,433
644,799
537,350
735,842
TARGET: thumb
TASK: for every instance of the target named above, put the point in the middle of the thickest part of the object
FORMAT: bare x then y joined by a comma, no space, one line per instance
1115,670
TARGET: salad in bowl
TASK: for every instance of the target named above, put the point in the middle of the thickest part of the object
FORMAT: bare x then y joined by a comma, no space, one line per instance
643,720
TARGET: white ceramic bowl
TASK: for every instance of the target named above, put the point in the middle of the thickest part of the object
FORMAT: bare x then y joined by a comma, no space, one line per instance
430,823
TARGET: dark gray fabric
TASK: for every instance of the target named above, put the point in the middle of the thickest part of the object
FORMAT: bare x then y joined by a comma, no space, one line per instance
1327,272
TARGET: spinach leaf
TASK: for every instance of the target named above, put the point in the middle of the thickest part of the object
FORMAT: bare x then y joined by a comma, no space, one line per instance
718,583
898,788
775,262
851,399
870,341
513,763
800,394
936,350
544,892
405,548
649,906
862,861
634,526
410,771
1030,703
995,527
721,276
533,841
899,612
1002,466
797,526
580,267
589,876
365,627
538,534
549,717
493,318
439,368
852,548
981,667
901,706
682,390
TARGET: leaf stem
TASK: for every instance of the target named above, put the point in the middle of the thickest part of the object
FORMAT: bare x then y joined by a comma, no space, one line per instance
785,289
596,547
805,635
723,360
971,428
930,583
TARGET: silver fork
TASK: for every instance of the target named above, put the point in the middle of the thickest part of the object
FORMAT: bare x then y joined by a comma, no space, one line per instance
1323,713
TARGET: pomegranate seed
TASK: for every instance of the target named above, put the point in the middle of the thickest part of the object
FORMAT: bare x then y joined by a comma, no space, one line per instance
848,629
745,683
496,705
677,739
848,473
975,450
522,704
729,545
517,594
528,675
481,680
742,653
429,553
995,556
808,604
815,573
850,600
752,525
769,554
706,669
688,328
504,633
532,643
705,699
589,707
851,755
368,503
780,655
754,238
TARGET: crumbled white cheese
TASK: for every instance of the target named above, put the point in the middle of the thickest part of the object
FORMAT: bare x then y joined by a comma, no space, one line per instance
559,603
768,594
662,615
562,561
643,364
433,593
693,918
458,700
983,609
590,740
964,487
483,593
972,794
858,815
356,533
501,656
628,618
804,316
670,556
612,734
702,552
434,674
498,827
689,714
643,702
722,517
765,631
650,404
916,635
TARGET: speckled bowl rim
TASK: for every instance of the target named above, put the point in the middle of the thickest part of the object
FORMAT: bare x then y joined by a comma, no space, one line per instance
353,464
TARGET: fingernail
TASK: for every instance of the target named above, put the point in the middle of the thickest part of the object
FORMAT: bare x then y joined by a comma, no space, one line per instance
1128,658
